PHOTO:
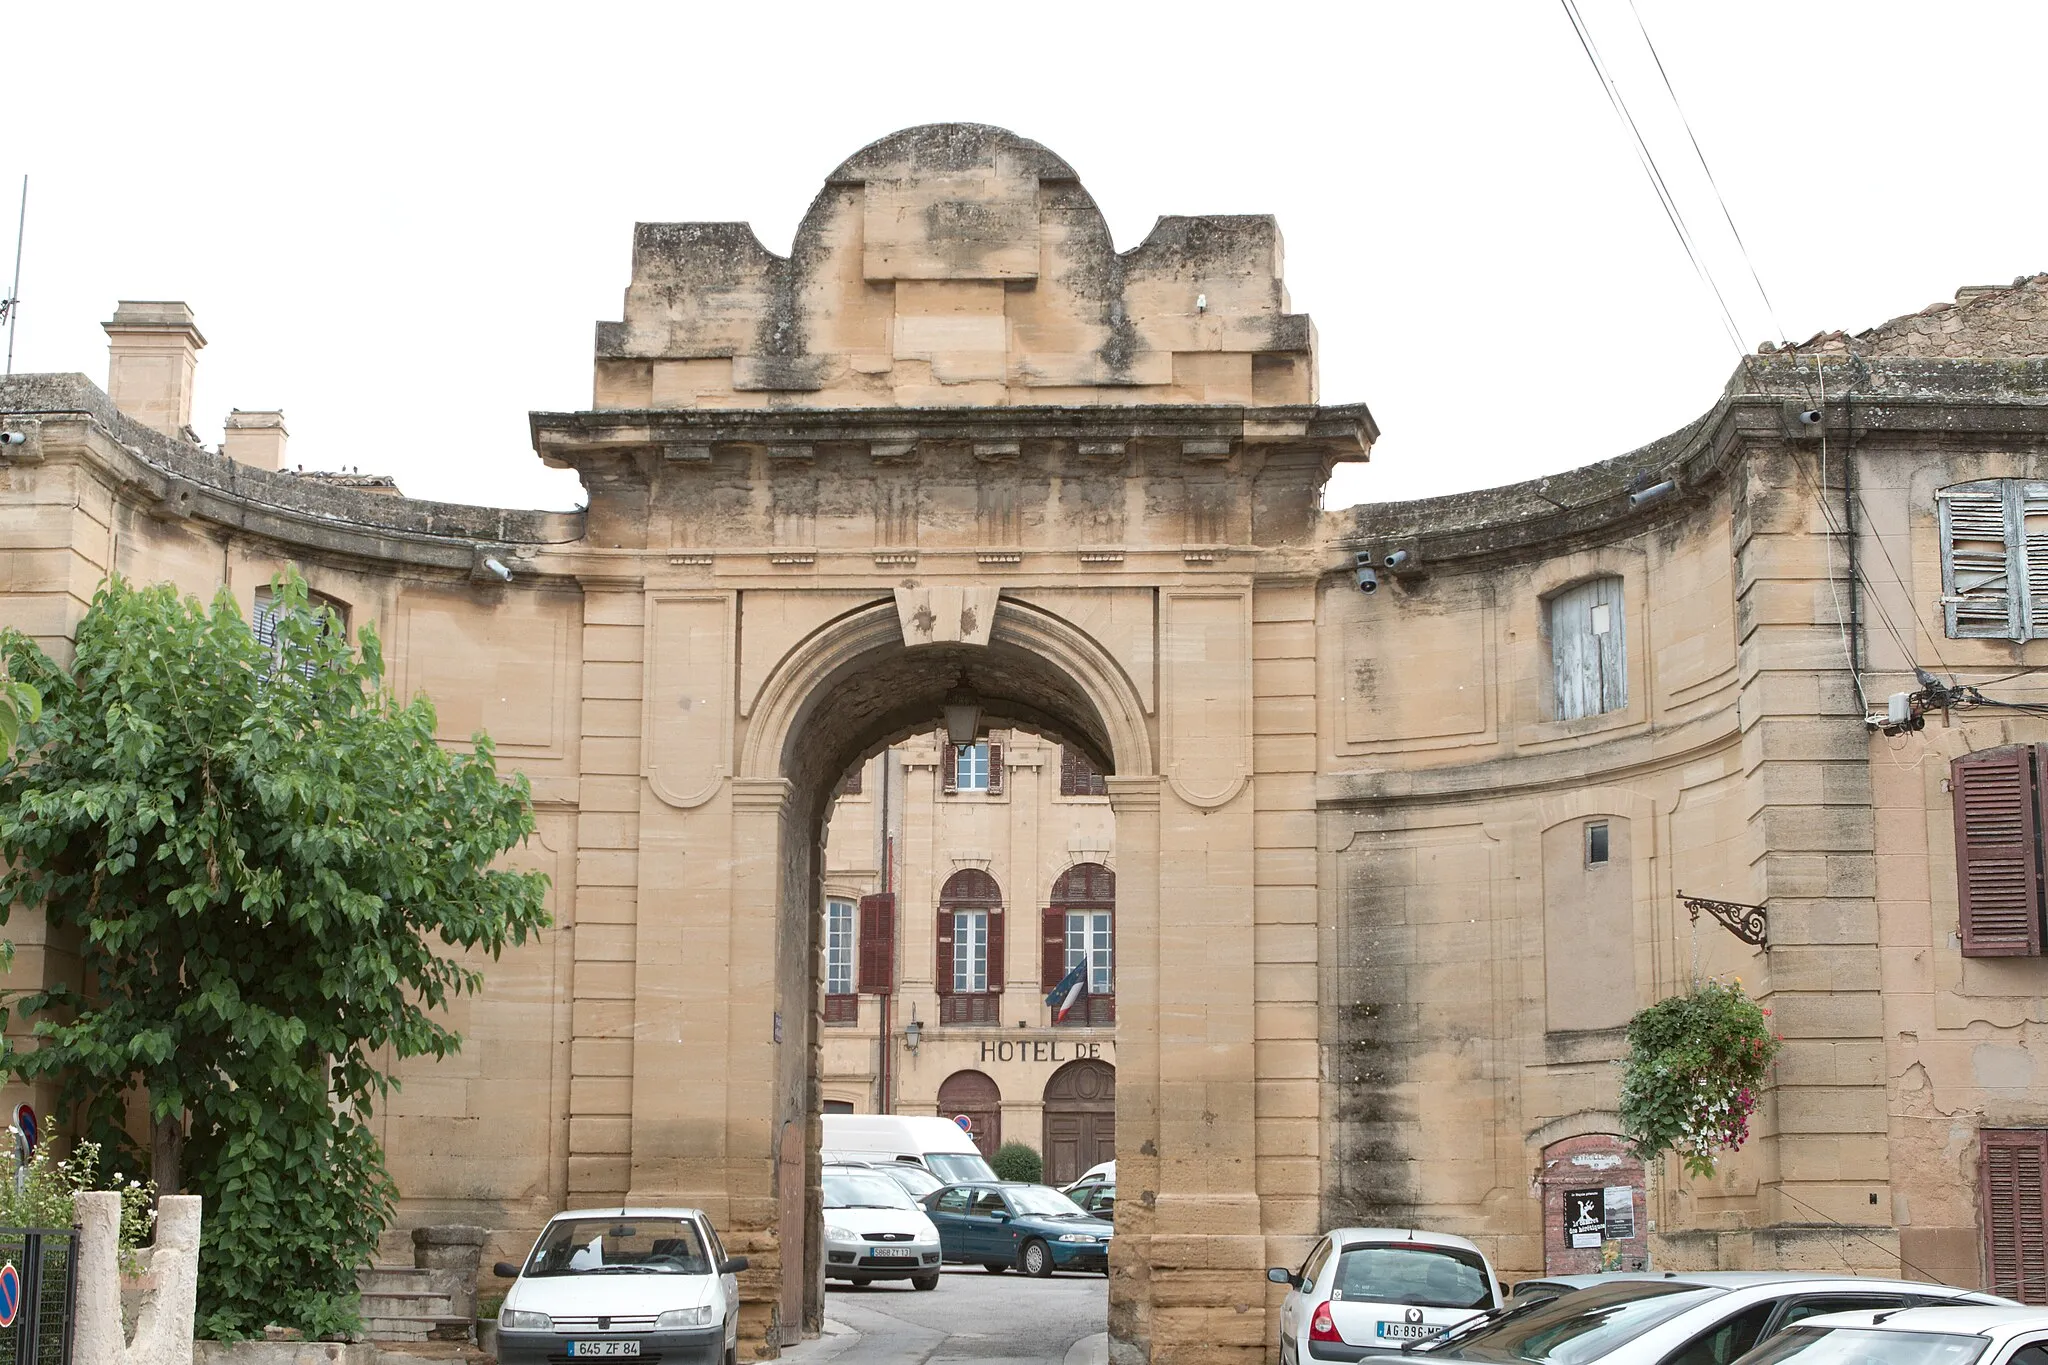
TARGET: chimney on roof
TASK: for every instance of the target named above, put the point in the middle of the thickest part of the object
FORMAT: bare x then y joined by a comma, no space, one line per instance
153,347
255,439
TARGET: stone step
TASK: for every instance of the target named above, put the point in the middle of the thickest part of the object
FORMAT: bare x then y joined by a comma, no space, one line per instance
437,1328
389,1279
407,1306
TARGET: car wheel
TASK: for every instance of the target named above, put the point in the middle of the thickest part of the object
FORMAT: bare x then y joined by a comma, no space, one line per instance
863,1279
1035,1259
994,1269
924,1281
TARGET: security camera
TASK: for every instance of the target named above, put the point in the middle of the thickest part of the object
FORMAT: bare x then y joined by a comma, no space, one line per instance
497,566
13,438
1810,417
1368,581
1395,560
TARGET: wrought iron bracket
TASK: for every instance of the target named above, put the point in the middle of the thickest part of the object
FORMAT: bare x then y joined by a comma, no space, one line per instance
1750,923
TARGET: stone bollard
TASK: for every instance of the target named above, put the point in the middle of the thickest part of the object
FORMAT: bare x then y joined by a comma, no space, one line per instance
452,1246
163,1330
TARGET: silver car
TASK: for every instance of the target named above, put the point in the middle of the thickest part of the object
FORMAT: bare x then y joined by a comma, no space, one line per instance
1660,1318
1365,1289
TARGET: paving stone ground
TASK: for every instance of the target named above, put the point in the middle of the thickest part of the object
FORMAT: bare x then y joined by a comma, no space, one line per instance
971,1317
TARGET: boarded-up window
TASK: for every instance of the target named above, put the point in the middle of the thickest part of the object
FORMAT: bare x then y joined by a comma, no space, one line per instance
877,944
2013,1202
1997,798
1079,777
1588,654
1994,559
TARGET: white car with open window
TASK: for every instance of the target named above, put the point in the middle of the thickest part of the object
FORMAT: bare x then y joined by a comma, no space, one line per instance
620,1284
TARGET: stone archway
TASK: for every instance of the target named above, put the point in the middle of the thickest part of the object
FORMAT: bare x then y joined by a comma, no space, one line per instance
1080,1119
973,1095
852,687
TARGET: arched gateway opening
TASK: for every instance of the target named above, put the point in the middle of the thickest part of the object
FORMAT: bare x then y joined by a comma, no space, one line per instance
855,686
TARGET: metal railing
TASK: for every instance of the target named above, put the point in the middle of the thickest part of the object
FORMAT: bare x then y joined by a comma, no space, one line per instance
39,1300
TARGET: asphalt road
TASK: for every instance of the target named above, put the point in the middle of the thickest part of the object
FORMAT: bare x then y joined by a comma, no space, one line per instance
972,1316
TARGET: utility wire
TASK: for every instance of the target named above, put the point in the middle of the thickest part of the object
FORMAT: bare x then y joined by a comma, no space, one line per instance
1757,279
1651,169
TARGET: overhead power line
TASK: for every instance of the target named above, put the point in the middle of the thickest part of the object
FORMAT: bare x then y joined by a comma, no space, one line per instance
1652,170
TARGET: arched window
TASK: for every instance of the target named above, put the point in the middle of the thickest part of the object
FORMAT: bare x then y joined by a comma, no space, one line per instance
1080,932
967,964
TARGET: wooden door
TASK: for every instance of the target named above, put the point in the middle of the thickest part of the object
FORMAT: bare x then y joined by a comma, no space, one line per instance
1080,1119
974,1096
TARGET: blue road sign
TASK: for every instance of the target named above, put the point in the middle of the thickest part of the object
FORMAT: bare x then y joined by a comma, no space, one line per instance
10,1294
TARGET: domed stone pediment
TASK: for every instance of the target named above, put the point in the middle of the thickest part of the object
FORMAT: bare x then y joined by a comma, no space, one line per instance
956,265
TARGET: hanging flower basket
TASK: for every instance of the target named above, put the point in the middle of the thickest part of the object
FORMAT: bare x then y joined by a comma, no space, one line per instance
1695,1068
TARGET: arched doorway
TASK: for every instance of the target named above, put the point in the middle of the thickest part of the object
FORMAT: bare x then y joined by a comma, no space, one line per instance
975,1097
1080,1119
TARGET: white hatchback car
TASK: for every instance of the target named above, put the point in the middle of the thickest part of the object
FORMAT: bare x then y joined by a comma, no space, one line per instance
874,1230
1364,1289
620,1284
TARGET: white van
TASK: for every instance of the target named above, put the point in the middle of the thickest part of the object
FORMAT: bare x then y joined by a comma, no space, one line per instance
939,1145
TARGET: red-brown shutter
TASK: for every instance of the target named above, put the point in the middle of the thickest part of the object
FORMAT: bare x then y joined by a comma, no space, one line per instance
1998,865
2014,1205
995,949
942,951
949,768
877,944
995,770
1052,962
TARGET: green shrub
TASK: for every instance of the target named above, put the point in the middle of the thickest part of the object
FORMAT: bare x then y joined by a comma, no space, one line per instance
1018,1161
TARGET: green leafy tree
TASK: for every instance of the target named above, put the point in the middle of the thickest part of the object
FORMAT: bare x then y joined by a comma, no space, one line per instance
1018,1161
258,851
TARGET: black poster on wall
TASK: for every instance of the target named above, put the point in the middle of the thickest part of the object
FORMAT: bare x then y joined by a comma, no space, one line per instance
1585,1219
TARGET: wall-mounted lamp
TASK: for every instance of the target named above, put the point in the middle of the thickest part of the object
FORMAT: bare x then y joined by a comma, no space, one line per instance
913,1034
963,713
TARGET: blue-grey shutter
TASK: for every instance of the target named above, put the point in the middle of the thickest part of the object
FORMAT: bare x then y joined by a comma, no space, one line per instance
1978,568
1588,649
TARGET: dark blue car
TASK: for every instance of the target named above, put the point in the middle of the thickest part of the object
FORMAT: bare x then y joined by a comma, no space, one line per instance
996,1224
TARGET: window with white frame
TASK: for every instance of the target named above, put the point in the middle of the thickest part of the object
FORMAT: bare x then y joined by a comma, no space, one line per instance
1089,939
970,951
838,947
1588,655
1994,559
970,767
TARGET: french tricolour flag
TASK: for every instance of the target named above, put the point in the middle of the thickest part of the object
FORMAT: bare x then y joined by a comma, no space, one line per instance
1072,987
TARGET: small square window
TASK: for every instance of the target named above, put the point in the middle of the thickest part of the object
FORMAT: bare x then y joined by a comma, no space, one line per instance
1596,843
970,767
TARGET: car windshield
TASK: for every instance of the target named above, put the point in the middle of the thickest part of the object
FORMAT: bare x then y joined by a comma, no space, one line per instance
1412,1273
1044,1202
863,1191
619,1246
953,1167
1575,1328
915,1179
1866,1346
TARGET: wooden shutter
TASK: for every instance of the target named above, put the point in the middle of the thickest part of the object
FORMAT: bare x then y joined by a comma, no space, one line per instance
995,770
949,768
995,950
877,944
1052,962
2014,1205
942,950
1998,862
1977,563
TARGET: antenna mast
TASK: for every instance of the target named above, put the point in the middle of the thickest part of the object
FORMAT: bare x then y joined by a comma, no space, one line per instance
10,307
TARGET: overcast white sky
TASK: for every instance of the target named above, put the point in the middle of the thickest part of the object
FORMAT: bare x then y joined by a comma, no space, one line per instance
399,222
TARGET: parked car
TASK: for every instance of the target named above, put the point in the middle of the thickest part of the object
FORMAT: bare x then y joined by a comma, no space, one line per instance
1103,1173
1097,1197
1942,1334
938,1145
1655,1318
875,1231
916,1181
1362,1288
622,1282
1002,1223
